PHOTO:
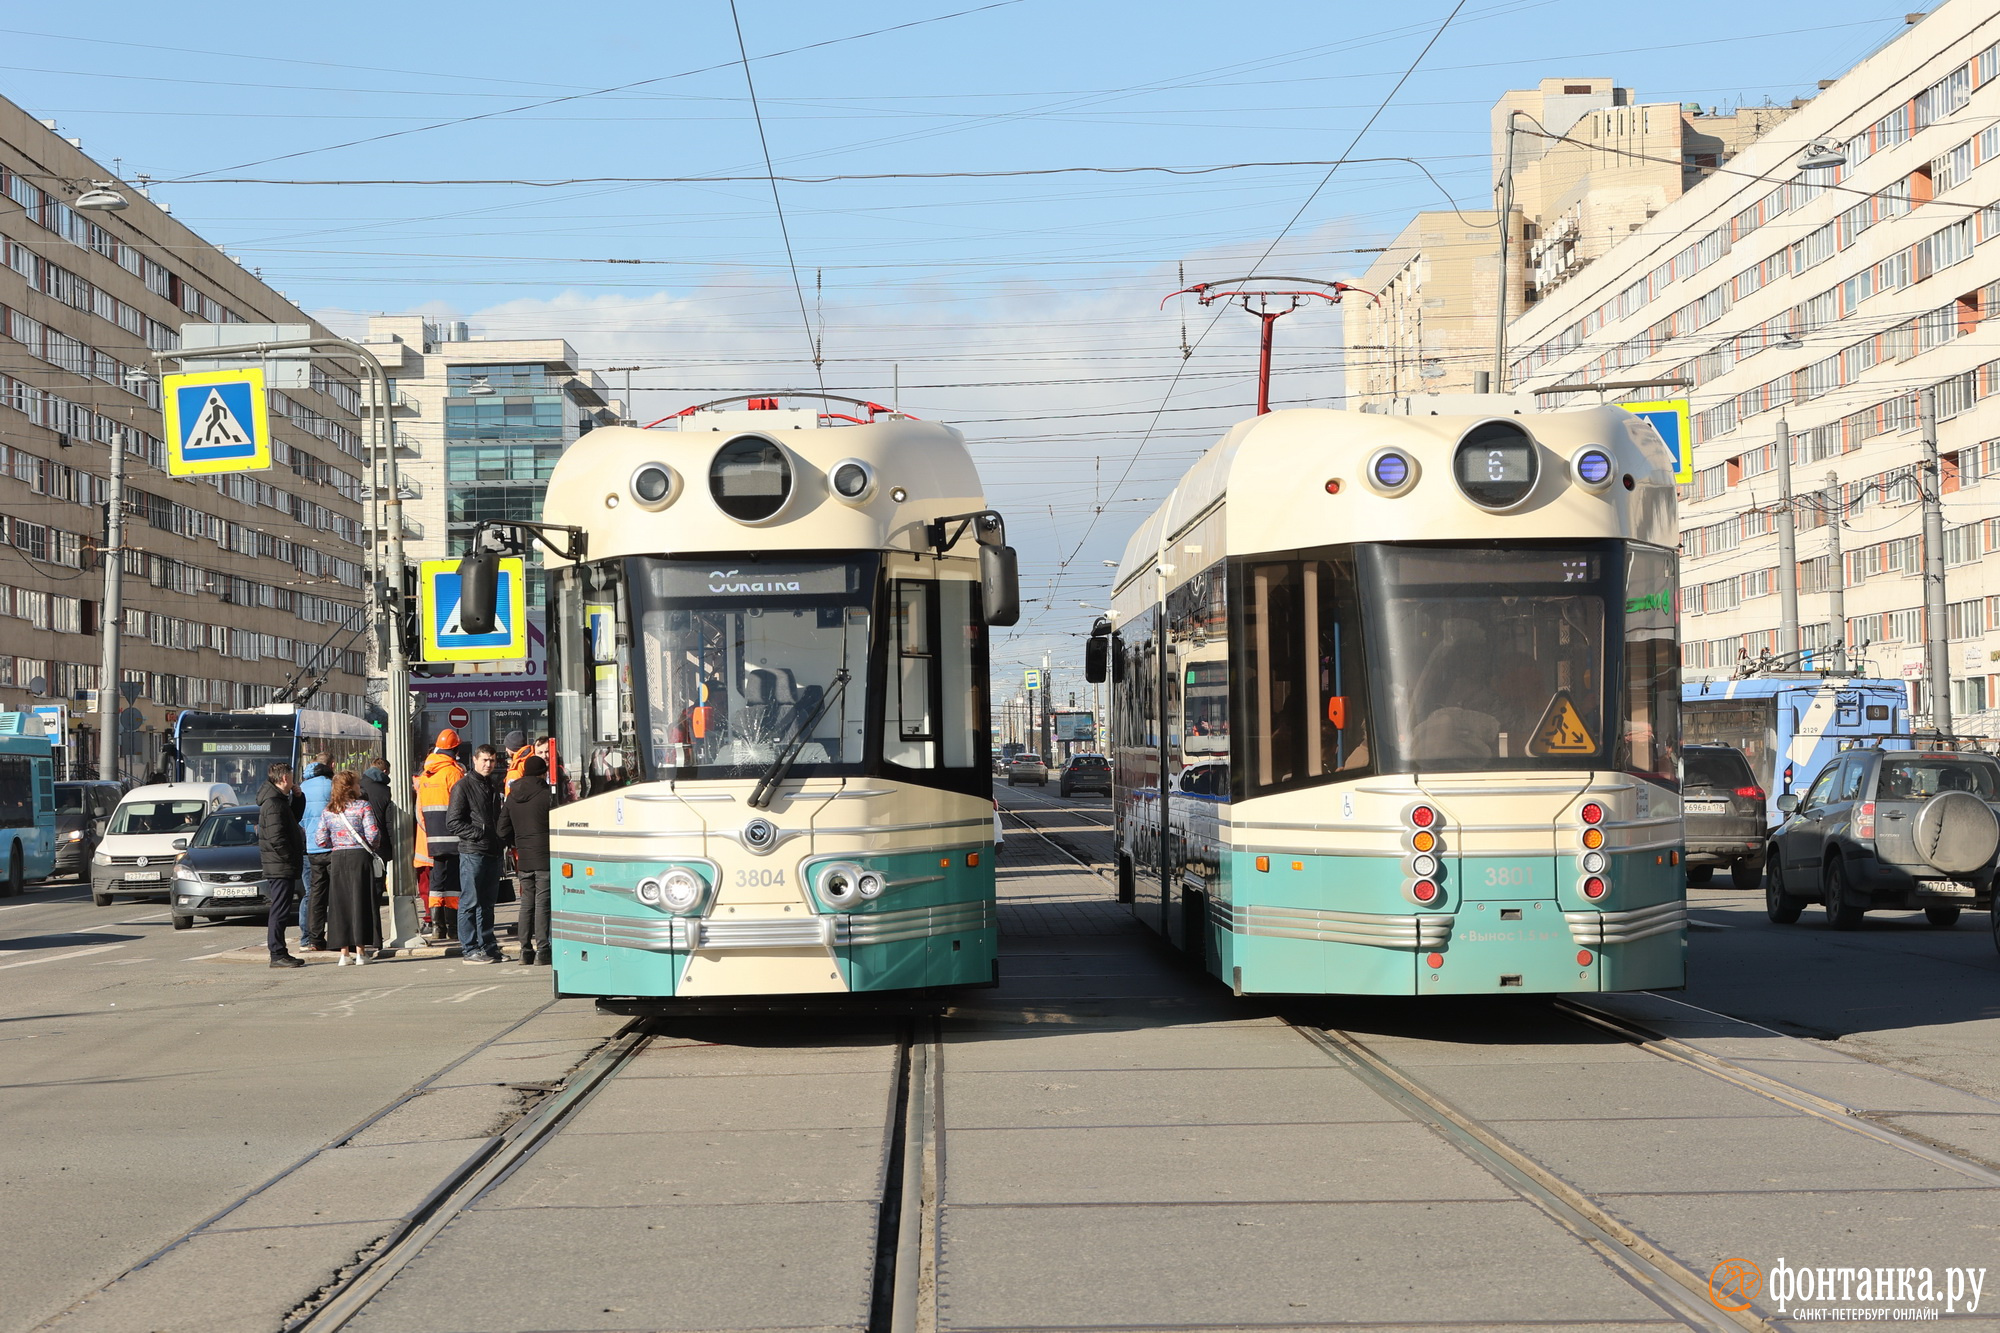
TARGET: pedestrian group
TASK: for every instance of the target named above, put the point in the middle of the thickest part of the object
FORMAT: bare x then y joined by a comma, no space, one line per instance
326,842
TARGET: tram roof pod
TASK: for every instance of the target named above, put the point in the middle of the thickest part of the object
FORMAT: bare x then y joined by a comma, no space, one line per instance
1312,477
764,480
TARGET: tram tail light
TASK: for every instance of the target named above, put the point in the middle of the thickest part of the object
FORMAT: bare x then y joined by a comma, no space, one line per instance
1593,887
1593,838
1592,813
1424,891
1864,820
1423,816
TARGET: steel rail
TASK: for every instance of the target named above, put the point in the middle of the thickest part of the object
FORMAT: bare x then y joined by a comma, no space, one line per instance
1798,1099
513,1145
1664,1280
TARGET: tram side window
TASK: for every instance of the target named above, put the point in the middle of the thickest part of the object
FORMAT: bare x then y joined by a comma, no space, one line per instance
910,723
592,690
1652,740
17,791
1302,689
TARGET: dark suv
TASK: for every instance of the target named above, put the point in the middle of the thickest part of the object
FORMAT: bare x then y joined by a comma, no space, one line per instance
1724,809
1086,772
1897,829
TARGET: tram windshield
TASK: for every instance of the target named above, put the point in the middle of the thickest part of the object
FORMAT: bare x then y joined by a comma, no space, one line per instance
740,663
1489,657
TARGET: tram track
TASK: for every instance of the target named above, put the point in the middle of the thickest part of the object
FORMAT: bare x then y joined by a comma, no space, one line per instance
1066,840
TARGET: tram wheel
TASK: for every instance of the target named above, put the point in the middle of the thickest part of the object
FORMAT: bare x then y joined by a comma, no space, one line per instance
1842,912
1943,918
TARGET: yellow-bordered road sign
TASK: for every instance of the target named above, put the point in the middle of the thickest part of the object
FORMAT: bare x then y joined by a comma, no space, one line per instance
1670,418
437,611
217,421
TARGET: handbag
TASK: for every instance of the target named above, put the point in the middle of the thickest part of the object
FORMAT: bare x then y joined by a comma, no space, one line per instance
381,867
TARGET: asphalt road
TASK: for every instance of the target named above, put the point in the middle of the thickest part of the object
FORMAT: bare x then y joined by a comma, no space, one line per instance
149,1083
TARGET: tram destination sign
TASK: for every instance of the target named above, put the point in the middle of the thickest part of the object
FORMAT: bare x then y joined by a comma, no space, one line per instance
768,578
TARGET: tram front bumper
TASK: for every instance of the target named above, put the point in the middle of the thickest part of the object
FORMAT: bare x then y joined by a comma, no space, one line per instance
686,934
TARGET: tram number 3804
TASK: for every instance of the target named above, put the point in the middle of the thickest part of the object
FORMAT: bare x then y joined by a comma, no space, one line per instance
759,879
1509,876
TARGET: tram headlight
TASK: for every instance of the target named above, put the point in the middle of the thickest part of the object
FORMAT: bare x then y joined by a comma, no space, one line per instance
1592,467
654,486
870,884
853,481
680,889
649,892
840,884
1391,472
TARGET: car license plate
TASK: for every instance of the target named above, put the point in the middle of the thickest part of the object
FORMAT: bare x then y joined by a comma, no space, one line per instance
234,891
142,874
1708,807
1945,888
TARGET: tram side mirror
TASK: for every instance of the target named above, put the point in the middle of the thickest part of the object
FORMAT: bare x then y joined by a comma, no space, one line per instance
1096,657
1788,802
1000,584
479,592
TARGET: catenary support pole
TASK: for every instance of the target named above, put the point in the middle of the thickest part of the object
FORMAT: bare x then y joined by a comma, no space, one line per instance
1836,576
1788,547
1937,633
112,621
1506,225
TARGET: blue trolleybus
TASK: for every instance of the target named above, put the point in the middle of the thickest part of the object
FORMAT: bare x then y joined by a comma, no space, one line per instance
27,802
1395,706
1789,725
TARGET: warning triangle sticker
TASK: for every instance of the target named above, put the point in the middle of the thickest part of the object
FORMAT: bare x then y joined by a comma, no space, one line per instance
1561,730
215,426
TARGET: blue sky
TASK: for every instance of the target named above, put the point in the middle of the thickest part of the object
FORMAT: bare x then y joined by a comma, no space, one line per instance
1024,309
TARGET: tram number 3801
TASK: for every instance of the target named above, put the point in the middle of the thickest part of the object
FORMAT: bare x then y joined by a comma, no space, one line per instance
1509,876
759,879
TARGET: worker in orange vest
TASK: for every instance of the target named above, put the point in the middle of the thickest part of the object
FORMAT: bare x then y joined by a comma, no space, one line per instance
437,849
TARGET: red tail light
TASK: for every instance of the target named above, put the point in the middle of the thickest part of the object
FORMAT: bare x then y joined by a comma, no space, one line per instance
1423,816
1592,813
1423,890
1864,820
1754,793
1593,887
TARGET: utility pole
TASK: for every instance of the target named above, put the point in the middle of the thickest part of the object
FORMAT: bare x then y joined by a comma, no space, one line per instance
112,621
1837,576
1044,733
1936,631
388,611
1506,225
1788,548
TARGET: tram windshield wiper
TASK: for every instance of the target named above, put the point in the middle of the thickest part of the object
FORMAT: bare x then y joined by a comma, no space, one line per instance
788,750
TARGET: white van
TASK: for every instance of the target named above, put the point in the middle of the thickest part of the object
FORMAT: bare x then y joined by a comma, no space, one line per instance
146,833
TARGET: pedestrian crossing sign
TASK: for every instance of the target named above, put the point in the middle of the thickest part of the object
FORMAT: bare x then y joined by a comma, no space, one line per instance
217,421
437,610
1670,418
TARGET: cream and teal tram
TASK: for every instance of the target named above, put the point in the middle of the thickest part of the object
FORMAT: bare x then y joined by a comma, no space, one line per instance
768,676
1395,706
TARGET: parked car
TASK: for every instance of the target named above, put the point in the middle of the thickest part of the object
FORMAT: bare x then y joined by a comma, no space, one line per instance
1086,772
137,853
1027,768
221,873
83,812
1724,810
1888,829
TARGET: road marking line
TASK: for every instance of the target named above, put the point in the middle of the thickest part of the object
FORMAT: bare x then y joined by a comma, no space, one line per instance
43,903
461,999
58,957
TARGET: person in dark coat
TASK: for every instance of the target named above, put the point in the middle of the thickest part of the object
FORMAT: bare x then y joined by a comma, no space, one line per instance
524,826
474,819
381,803
281,845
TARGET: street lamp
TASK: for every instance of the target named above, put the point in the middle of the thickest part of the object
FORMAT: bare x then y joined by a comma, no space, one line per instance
101,198
479,388
1822,153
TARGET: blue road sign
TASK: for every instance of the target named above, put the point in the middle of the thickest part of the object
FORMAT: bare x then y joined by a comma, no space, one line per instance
446,641
217,421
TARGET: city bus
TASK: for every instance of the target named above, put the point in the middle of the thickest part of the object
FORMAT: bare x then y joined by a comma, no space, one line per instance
1395,706
27,802
768,655
239,748
1789,725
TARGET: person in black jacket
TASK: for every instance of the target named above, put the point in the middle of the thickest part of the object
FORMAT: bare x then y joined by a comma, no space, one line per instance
474,818
281,844
524,826
382,801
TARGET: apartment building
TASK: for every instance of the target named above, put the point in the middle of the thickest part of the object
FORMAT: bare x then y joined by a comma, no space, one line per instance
479,425
234,586
1589,166
1815,304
